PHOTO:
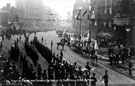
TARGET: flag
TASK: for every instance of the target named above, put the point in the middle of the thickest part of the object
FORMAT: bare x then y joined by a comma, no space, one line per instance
78,15
85,12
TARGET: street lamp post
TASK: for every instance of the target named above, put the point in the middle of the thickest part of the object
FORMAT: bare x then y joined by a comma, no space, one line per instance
90,23
90,27
80,25
127,32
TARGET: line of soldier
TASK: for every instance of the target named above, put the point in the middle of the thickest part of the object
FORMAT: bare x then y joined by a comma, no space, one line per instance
123,54
31,52
115,55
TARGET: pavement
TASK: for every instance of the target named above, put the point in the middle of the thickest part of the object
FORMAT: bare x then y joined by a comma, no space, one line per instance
123,69
115,78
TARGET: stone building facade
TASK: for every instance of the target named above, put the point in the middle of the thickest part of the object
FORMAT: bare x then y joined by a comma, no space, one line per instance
116,17
30,12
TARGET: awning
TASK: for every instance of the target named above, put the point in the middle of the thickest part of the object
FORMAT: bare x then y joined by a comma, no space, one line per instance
104,34
121,19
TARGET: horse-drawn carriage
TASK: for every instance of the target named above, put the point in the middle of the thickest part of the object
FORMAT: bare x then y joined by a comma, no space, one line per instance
61,43
59,32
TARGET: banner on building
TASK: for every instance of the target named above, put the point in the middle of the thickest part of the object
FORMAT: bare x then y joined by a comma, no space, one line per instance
121,21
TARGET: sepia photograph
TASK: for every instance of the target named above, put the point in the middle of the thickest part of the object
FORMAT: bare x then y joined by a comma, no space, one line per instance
67,42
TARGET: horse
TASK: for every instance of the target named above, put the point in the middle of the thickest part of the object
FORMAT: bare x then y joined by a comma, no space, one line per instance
60,44
86,51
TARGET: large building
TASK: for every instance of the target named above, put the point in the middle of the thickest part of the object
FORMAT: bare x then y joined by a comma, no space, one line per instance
30,12
8,14
81,18
33,14
116,16
4,15
81,22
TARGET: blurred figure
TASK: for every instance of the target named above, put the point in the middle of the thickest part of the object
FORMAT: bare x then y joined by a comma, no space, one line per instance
20,38
39,70
1,45
96,59
51,44
87,77
50,73
75,65
87,66
61,55
93,80
32,73
105,78
2,37
80,73
21,59
57,57
42,39
130,68
44,75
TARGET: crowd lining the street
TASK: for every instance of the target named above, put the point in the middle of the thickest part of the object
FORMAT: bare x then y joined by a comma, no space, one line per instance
58,68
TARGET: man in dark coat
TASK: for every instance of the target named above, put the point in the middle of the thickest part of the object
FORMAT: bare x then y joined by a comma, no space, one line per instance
50,72
87,66
39,71
93,80
42,39
105,78
51,44
111,59
130,67
44,75
21,59
61,55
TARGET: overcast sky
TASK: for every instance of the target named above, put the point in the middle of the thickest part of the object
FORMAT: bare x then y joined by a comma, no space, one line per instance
3,2
62,7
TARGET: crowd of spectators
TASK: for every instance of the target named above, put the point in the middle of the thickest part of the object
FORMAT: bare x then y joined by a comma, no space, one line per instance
58,69
119,55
